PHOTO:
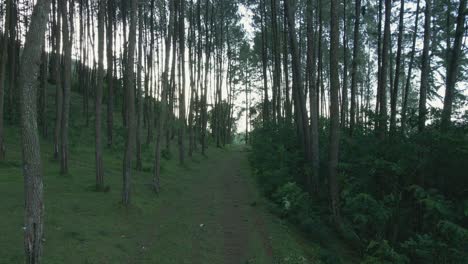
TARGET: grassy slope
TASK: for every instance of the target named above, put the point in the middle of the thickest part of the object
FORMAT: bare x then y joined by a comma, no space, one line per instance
83,226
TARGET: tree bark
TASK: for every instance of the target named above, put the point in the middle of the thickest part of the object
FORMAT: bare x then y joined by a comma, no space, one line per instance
32,168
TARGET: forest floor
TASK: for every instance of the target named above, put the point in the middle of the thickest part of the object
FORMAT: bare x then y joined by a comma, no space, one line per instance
208,211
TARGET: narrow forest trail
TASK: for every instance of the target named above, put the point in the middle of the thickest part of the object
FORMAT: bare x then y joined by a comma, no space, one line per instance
223,218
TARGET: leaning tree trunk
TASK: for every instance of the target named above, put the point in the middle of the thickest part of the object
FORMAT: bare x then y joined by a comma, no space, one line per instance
32,169
130,106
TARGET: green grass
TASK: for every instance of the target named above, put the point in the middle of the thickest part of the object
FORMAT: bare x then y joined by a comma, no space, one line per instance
85,226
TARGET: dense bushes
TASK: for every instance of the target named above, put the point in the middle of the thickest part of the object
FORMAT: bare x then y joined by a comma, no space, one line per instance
403,200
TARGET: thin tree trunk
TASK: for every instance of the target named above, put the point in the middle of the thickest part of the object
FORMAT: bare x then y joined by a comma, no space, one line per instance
425,67
344,95
299,100
99,88
334,112
410,69
354,69
58,83
110,71
266,103
394,92
2,77
288,105
160,122
67,61
139,94
311,69
182,89
382,117
130,106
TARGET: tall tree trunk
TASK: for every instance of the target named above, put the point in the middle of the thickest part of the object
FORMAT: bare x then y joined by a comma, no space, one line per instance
394,92
130,105
277,60
344,94
354,70
182,122
334,112
160,122
379,69
99,88
67,26
2,76
288,105
425,67
452,68
298,95
410,69
266,103
139,94
110,71
13,51
149,96
58,82
311,69
32,168
382,127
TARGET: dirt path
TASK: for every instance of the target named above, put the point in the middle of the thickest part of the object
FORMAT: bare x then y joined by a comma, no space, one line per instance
211,212
226,188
